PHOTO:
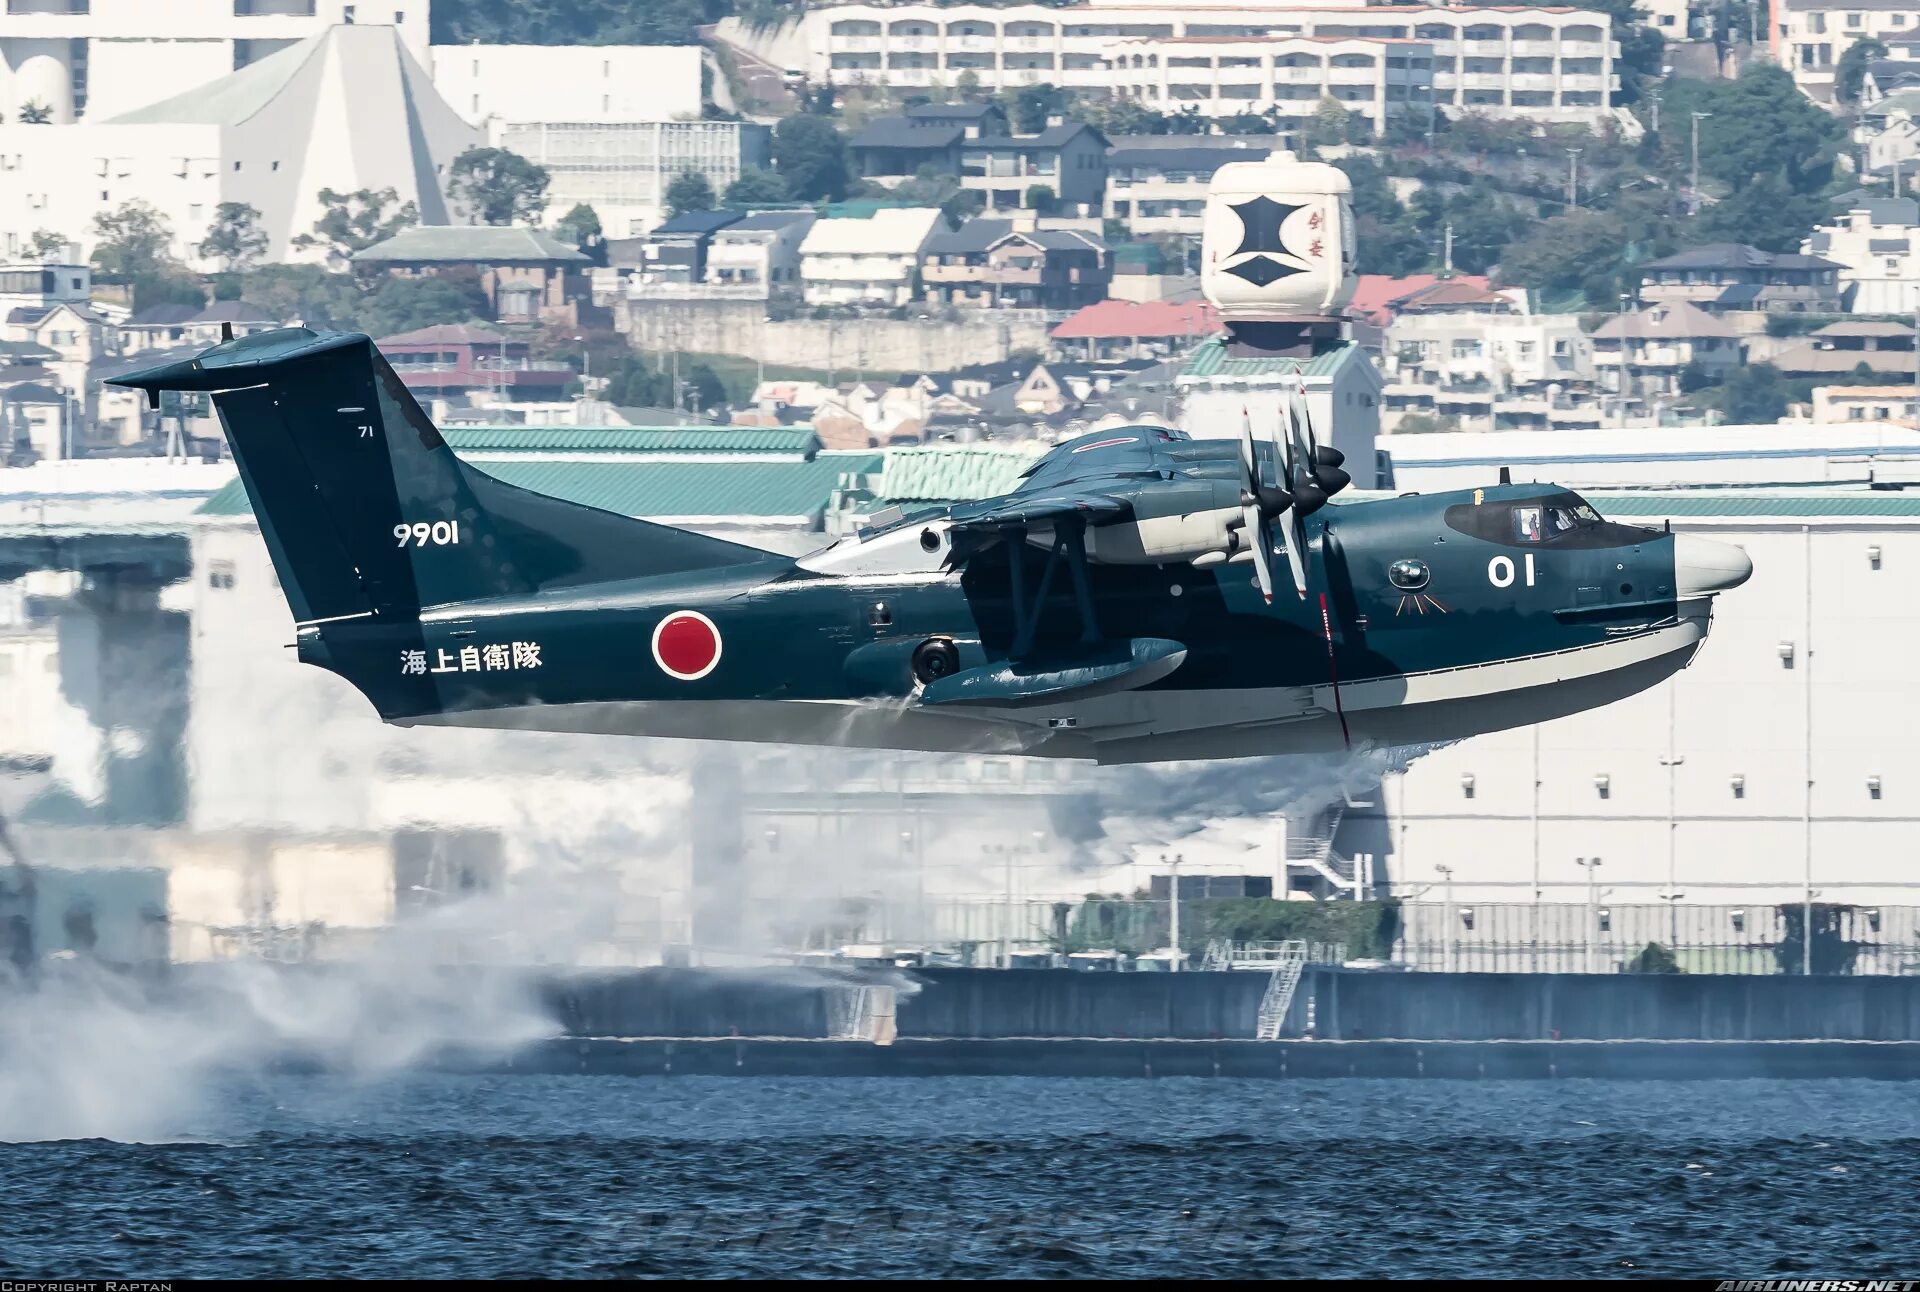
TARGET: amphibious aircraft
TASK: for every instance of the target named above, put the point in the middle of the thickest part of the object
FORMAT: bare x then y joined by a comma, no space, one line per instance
1121,604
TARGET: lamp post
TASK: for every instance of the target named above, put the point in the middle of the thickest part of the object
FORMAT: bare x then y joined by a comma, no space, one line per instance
1592,866
1693,184
1672,898
1446,917
1573,179
1173,907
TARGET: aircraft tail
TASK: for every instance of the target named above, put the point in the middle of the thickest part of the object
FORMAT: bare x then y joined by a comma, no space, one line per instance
366,511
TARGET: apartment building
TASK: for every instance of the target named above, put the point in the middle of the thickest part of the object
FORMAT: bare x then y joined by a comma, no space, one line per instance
1866,404
1458,350
1541,62
1290,75
1067,159
1811,36
622,169
1877,246
873,261
1646,353
1158,183
100,58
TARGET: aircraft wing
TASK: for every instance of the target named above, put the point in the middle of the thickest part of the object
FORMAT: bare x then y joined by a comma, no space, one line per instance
1093,477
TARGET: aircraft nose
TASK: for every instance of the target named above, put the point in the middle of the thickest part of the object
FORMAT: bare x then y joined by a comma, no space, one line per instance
1702,567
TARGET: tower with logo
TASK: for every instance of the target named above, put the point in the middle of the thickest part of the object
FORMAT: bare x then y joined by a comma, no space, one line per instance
1277,253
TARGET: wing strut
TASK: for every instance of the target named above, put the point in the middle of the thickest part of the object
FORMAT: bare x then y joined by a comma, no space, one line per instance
1069,546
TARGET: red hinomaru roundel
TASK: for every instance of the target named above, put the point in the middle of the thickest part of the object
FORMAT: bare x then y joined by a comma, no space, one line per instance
686,645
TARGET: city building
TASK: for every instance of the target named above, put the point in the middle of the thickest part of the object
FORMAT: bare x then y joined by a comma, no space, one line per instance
1645,353
167,327
1890,131
1866,404
1839,349
896,148
528,275
1812,36
622,169
1062,168
1289,76
1376,297
676,252
454,363
1121,329
94,59
1733,276
1900,70
867,261
992,262
760,251
1877,246
522,84
1483,359
346,109
1538,62
1157,184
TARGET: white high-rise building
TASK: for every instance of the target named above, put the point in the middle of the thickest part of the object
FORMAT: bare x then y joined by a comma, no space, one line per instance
99,58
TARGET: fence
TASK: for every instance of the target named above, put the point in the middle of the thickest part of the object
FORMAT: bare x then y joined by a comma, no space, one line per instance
1569,937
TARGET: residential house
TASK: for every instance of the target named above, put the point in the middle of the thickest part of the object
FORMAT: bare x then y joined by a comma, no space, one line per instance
896,148
37,424
1067,159
1877,245
1645,353
457,364
1866,404
872,261
528,275
1728,276
1900,70
993,262
760,252
69,337
1846,347
1116,329
1482,358
1377,297
676,252
1889,130
166,327
1157,184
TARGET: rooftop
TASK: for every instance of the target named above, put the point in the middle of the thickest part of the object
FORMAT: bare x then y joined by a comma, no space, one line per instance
697,222
888,231
1117,319
446,334
1737,255
475,243
1673,319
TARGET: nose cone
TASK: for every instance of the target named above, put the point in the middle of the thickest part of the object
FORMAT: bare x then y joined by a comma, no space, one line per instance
1702,567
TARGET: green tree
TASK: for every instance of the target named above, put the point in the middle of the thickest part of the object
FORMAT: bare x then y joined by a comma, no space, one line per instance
1753,394
1760,124
967,85
498,186
1389,241
1356,129
579,227
1039,197
35,113
575,22
1767,213
811,155
403,304
757,186
689,191
131,240
1653,958
1851,71
635,385
305,294
1563,252
355,221
1033,104
45,243
705,388
235,237
1328,124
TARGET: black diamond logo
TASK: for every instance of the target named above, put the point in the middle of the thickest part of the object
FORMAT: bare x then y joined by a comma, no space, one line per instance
1260,221
1262,270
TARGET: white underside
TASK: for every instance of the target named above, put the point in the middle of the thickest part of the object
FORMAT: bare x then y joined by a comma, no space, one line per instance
1136,726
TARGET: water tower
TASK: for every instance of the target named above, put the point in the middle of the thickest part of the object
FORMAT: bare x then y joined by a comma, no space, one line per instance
1277,251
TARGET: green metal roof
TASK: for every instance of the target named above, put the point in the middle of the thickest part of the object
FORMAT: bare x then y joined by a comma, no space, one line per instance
1210,359
636,439
969,471
1716,502
648,488
479,243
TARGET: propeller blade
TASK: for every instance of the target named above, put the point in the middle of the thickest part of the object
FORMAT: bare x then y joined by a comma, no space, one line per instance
1254,527
1288,519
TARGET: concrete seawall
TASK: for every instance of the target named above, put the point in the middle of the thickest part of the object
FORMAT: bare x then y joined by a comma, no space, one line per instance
984,1004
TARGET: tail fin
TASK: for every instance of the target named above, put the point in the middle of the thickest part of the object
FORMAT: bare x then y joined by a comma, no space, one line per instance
365,509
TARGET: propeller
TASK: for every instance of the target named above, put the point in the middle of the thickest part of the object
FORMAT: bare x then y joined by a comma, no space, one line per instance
1260,503
1314,474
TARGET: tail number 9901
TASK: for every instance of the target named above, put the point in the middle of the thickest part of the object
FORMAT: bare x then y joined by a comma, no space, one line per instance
441,533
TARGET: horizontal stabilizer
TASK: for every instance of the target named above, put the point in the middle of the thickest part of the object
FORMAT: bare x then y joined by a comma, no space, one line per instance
1081,674
234,365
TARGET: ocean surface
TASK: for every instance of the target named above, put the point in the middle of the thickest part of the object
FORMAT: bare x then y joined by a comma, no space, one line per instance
453,1176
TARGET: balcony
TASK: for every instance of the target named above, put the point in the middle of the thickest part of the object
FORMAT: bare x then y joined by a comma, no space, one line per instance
1483,81
1535,48
273,8
1536,81
856,44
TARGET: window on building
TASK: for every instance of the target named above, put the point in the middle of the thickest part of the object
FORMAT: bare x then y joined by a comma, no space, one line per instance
220,574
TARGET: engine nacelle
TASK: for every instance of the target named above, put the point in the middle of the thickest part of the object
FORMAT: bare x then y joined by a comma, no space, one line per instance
1165,540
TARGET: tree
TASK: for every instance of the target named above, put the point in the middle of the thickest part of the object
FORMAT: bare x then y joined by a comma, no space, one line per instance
1561,253
1039,197
580,228
574,22
634,385
1753,394
404,304
967,85
812,157
690,191
1851,70
305,294
498,186
1766,213
235,237
35,113
1653,958
705,387
1033,105
1760,124
355,221
131,240
1328,124
757,186
45,243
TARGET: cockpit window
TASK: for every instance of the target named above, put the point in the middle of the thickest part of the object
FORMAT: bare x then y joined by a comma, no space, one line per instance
1562,520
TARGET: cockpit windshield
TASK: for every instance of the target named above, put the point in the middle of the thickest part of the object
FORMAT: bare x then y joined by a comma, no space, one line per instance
1557,520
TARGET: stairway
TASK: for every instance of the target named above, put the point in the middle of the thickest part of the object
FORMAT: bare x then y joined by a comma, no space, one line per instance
1288,963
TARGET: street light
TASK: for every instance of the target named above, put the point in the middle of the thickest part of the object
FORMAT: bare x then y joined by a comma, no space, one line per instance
1446,917
1573,179
1693,187
1173,906
1592,866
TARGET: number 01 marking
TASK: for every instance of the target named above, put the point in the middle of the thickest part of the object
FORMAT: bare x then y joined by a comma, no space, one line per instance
440,533
1500,571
